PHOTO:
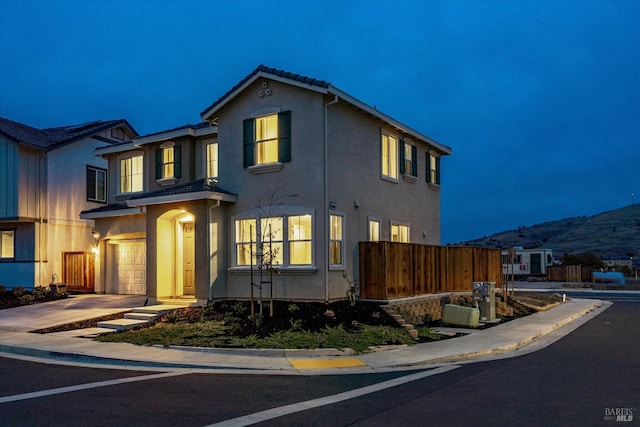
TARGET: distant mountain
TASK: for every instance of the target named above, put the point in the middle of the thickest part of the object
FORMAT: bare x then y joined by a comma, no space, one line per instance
609,234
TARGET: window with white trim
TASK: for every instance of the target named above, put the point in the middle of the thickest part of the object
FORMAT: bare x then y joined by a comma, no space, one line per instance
168,161
399,233
7,244
433,169
212,160
409,164
96,184
284,241
267,140
336,240
389,156
374,230
131,173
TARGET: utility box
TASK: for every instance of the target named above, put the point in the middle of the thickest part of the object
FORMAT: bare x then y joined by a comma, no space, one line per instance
484,294
459,315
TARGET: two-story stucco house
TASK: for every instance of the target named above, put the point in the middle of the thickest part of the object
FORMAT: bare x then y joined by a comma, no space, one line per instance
287,171
47,176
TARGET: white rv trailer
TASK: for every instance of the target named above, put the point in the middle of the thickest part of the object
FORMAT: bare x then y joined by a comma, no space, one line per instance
523,263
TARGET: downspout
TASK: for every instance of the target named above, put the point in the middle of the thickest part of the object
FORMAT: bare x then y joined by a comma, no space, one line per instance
326,202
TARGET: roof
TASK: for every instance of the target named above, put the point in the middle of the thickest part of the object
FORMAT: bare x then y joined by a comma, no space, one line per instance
198,185
51,138
321,86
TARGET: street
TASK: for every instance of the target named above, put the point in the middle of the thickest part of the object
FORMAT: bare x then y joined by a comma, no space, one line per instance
579,380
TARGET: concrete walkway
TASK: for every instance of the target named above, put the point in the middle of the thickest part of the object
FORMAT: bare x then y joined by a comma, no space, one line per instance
68,346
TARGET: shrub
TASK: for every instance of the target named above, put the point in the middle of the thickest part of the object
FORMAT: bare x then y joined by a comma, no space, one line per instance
3,289
26,299
18,291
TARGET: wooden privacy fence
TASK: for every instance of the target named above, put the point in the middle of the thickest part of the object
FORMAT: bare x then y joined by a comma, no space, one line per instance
78,271
396,270
570,273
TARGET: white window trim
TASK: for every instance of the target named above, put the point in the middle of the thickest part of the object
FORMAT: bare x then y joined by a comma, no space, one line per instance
13,248
168,180
119,160
97,169
342,266
265,168
406,224
379,221
277,211
205,149
389,178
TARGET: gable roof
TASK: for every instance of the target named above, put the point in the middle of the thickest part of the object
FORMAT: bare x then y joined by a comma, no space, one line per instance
321,86
51,138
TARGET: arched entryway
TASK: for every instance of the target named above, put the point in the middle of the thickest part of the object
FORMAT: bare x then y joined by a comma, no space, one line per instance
176,254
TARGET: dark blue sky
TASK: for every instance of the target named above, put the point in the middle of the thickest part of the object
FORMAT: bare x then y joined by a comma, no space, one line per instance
540,100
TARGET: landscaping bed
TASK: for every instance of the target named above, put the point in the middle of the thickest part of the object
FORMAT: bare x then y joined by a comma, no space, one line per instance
19,296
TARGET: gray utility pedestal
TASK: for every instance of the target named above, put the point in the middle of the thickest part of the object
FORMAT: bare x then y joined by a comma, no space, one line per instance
484,294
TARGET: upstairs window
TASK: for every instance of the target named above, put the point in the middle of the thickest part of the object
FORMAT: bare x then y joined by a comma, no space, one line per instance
409,164
96,184
267,139
400,233
131,174
168,161
389,157
7,242
212,160
433,169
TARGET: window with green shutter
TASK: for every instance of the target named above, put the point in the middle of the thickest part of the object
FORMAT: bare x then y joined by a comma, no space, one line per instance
267,139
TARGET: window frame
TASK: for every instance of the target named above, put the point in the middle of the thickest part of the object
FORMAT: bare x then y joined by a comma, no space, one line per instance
12,232
408,171
250,142
168,163
378,221
399,225
287,214
105,183
433,170
389,165
129,157
336,239
211,164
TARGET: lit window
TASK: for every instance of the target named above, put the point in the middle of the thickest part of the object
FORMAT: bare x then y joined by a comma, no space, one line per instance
245,241
374,230
212,160
409,165
168,161
400,233
96,184
389,156
300,239
335,240
433,169
131,174
276,247
271,236
7,240
267,139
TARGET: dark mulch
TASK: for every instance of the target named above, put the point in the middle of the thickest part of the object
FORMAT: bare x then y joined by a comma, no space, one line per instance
10,299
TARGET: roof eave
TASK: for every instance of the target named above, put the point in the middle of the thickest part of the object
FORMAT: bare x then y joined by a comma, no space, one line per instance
443,149
182,197
209,114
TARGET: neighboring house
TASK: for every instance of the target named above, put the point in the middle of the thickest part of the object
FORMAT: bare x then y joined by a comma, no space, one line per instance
286,170
47,176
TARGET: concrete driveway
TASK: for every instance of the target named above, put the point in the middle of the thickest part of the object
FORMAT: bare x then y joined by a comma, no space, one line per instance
75,308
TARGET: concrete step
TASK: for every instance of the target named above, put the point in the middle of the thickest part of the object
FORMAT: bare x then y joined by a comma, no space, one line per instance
408,326
122,324
158,309
141,316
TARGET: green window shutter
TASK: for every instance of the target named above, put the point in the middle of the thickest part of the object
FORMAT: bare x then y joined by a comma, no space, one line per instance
284,136
91,184
402,159
414,160
159,163
249,142
176,161
438,170
428,167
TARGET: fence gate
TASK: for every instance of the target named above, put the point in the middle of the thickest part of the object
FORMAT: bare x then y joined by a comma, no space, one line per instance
78,271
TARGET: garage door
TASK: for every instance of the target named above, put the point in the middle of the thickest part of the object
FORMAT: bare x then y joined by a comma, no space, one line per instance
131,268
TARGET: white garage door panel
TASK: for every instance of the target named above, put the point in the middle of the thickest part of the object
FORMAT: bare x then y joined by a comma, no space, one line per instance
131,268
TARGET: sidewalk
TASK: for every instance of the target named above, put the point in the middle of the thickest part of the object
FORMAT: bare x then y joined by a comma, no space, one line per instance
491,341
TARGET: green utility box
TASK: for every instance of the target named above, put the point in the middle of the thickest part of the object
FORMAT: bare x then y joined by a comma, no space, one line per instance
459,315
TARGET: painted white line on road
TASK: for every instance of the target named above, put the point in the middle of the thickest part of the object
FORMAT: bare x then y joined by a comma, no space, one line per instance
69,389
328,400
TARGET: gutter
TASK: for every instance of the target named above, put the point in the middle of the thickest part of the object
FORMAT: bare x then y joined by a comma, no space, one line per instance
326,200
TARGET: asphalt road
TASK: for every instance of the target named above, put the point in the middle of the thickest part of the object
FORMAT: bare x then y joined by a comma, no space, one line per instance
579,380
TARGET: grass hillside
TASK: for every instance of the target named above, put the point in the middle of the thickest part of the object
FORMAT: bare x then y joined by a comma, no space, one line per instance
609,234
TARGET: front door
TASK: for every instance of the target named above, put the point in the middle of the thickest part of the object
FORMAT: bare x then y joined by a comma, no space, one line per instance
188,261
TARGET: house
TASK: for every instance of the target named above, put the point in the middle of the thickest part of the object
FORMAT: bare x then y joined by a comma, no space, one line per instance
522,263
287,173
47,176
